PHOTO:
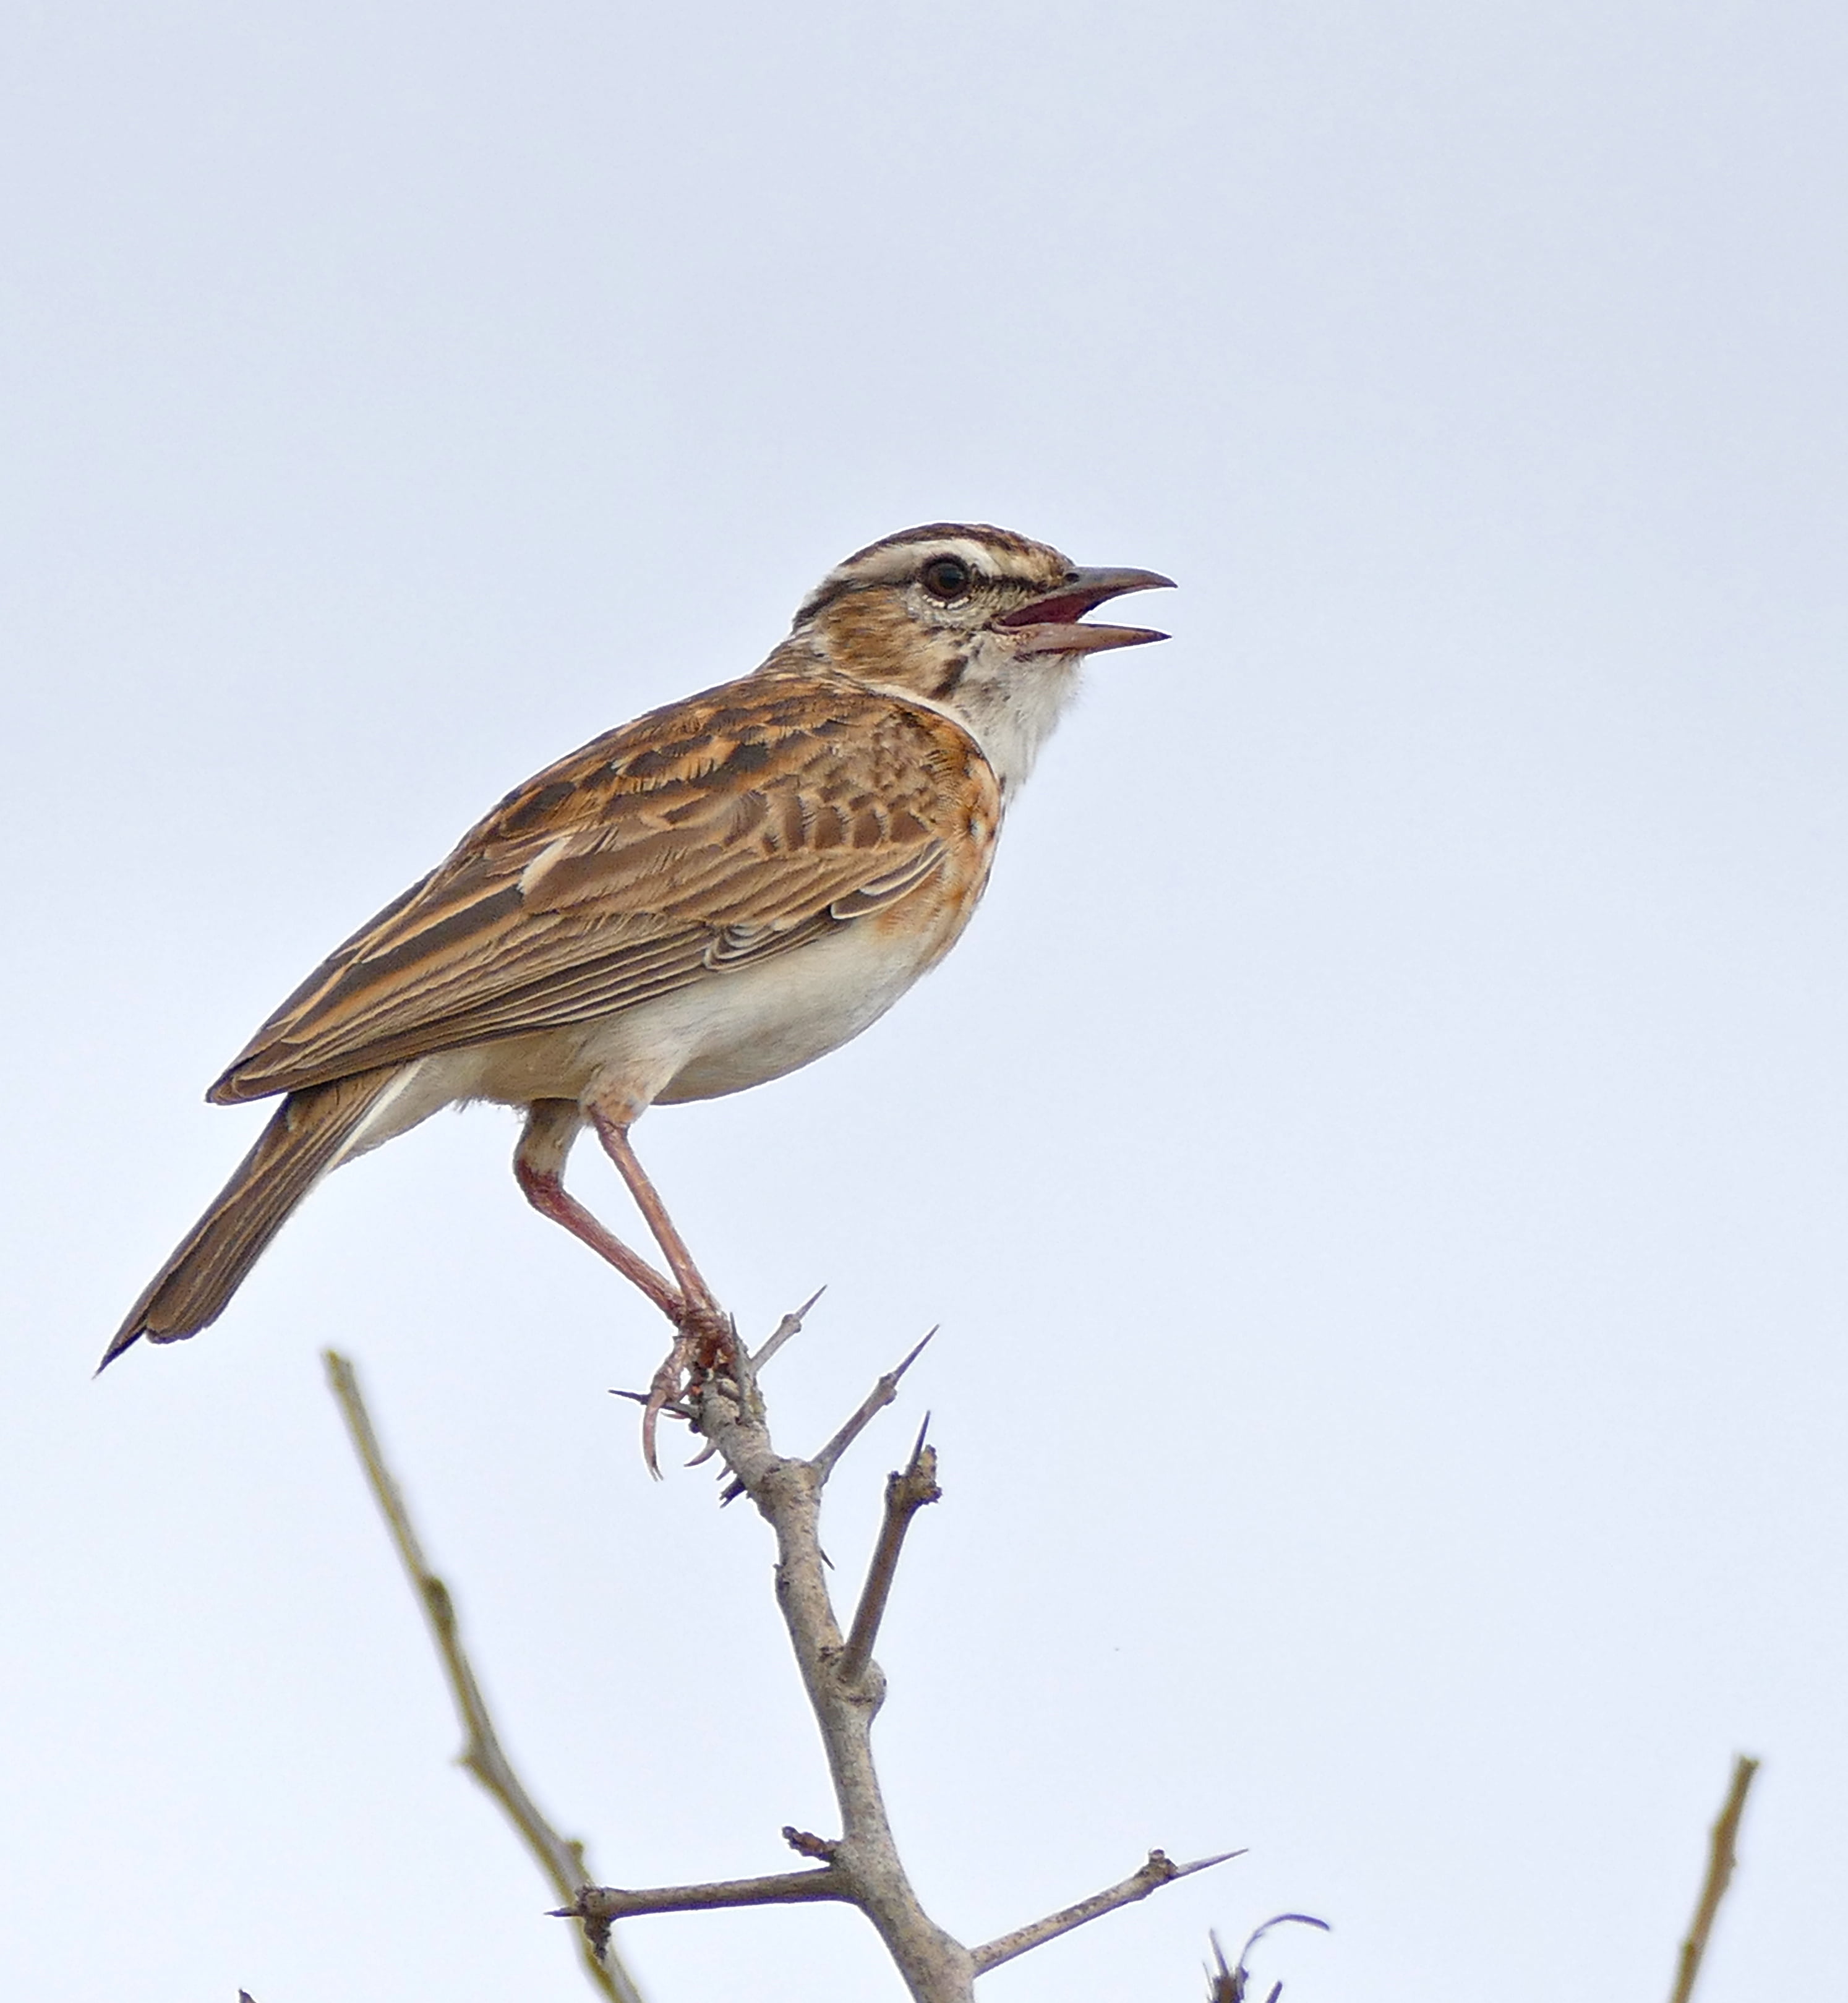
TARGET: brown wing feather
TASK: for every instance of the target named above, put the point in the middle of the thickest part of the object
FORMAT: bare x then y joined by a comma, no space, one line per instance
739,823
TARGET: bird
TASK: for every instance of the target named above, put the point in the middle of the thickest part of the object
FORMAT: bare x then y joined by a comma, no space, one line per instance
697,902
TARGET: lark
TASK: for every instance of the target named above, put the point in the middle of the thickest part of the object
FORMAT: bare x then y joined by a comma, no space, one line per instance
703,900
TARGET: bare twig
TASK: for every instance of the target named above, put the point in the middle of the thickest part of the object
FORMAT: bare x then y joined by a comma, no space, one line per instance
877,1399
905,1495
1722,1857
785,1888
790,1325
559,1857
1159,1871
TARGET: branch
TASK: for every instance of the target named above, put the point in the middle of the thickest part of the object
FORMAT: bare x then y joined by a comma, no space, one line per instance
1159,1871
905,1495
845,1688
876,1400
1719,1875
790,1325
865,1861
561,1859
606,1903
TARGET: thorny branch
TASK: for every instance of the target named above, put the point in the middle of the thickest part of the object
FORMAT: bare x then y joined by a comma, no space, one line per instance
875,1401
1159,1870
602,1903
1722,1857
905,1495
845,1688
560,1858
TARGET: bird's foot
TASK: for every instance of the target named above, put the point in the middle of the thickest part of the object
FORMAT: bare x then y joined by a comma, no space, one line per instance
706,1341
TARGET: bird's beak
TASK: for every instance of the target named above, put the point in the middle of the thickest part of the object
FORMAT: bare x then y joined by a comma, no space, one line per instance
1053,623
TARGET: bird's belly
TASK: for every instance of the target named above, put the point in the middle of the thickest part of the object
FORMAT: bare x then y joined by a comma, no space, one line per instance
729,1031
757,1023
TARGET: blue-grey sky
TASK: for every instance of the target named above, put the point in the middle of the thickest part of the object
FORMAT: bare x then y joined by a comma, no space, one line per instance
1378,1160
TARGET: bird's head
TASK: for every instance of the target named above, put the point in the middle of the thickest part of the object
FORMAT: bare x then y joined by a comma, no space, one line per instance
979,622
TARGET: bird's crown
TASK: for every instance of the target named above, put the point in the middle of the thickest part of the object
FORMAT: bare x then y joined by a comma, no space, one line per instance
919,606
964,566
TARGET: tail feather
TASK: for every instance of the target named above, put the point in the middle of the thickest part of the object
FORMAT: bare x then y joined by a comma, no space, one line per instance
309,1134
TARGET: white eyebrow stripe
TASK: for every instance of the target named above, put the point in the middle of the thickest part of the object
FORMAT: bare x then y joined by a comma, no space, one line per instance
888,564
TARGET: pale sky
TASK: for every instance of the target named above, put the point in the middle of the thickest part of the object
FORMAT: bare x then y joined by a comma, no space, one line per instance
1378,1160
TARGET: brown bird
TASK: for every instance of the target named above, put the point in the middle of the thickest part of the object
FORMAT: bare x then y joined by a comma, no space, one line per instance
699,901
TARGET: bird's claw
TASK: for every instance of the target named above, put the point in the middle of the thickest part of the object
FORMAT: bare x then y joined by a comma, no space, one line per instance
705,1342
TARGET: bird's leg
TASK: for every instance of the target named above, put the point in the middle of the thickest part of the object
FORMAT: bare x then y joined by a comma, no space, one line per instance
614,1135
551,1126
705,1339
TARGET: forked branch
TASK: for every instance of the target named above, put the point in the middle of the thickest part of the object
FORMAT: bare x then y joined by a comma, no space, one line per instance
845,1688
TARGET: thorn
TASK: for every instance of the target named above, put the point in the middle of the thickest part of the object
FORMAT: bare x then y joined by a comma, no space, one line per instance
1226,1857
930,1337
672,1407
790,1325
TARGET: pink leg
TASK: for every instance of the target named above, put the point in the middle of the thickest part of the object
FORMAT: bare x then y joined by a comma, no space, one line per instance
705,1337
539,1168
614,1135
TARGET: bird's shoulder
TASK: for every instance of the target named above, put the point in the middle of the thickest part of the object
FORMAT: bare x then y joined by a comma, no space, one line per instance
864,766
734,823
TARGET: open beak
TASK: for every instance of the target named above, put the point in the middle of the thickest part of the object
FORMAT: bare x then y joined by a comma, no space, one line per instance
1053,623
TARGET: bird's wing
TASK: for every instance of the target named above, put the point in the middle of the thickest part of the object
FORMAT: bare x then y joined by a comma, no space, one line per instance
732,825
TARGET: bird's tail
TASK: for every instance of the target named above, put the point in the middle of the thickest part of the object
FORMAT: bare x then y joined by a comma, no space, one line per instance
310,1133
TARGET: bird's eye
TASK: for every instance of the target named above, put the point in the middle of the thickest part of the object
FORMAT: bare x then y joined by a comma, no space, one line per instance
946,577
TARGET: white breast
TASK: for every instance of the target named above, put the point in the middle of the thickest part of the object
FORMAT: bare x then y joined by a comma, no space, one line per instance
737,1029
729,1031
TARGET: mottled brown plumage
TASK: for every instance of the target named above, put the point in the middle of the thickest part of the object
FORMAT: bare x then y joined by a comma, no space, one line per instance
708,898
743,822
